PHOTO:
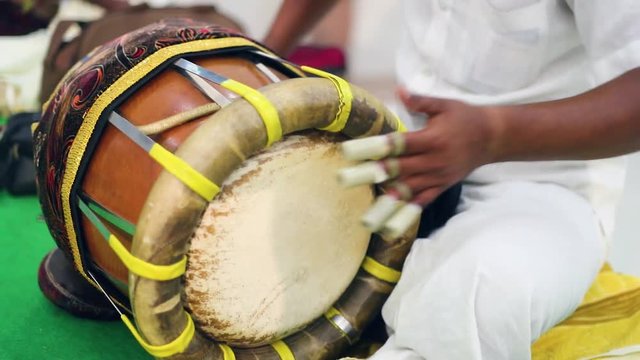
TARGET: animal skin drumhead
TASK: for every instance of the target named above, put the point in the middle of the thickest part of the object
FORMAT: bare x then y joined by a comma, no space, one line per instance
279,245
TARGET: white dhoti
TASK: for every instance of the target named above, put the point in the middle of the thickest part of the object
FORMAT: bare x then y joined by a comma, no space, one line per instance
516,260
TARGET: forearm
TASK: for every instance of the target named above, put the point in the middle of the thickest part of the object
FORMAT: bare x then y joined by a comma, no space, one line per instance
600,123
294,19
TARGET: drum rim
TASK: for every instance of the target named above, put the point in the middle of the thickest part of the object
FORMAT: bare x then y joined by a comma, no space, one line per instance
203,305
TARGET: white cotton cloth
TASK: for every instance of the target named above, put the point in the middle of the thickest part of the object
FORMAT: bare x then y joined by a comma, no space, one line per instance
529,237
516,260
523,51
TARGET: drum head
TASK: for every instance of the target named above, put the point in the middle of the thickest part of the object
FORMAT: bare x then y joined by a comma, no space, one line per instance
279,244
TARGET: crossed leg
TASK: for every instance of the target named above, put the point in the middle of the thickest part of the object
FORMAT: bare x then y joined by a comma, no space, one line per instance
516,260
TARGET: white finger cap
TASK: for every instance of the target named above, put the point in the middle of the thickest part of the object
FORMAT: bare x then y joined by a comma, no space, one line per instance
380,212
402,220
375,147
366,173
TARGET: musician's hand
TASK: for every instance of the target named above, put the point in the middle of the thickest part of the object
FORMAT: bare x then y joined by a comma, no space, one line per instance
457,139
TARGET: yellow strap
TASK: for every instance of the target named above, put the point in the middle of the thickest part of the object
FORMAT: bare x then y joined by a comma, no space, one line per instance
345,97
184,172
401,127
332,312
227,352
283,350
145,269
329,316
175,347
380,271
263,106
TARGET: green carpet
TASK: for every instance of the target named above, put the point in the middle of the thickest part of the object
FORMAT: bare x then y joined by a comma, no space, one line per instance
32,327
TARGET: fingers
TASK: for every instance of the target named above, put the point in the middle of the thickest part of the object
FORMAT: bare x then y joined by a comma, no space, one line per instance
410,166
417,172
427,196
414,185
399,190
404,187
391,217
424,104
418,142
428,165
390,145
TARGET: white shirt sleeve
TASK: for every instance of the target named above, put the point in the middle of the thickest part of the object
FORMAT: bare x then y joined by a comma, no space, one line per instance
610,31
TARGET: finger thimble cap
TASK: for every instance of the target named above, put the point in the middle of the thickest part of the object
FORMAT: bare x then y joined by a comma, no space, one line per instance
375,147
384,207
366,173
402,220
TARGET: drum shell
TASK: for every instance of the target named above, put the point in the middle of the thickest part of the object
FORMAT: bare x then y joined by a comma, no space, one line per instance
120,174
76,118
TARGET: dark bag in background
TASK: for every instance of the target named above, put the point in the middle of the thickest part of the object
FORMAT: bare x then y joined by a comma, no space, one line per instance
17,171
71,40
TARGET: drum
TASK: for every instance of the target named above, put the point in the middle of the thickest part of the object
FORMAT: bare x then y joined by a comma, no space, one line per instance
191,175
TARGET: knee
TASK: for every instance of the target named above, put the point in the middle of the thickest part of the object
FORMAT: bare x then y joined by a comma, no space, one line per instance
469,306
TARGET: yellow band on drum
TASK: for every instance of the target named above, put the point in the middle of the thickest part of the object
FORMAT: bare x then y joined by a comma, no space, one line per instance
330,315
227,352
345,96
145,269
267,111
283,350
380,271
175,347
401,127
332,312
184,172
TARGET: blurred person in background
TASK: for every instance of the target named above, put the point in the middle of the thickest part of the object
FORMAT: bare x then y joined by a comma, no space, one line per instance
326,46
23,39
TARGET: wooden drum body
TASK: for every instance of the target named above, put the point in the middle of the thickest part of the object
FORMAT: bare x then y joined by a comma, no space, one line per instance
209,209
